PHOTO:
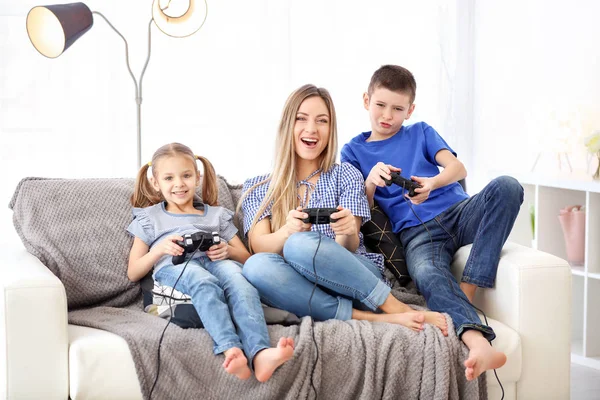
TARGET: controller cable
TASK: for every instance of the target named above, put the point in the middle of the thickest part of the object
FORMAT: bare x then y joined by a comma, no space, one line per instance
448,278
312,330
171,316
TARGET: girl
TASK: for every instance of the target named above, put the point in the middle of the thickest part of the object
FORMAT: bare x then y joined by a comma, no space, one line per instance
165,210
290,253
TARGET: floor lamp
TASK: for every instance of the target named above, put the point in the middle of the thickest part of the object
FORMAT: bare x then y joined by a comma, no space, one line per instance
53,29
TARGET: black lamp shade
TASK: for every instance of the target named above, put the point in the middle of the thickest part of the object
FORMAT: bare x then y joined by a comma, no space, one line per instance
52,29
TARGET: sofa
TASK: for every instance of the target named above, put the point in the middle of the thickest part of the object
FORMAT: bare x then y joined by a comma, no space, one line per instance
45,356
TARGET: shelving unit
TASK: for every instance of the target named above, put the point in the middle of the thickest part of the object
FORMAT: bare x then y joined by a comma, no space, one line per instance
548,194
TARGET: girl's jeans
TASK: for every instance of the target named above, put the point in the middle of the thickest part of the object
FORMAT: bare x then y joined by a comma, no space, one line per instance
219,292
344,279
485,220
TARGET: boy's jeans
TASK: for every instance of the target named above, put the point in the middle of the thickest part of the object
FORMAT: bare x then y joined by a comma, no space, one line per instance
485,220
344,278
219,292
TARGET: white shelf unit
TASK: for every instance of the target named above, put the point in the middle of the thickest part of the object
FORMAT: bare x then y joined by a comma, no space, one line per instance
548,194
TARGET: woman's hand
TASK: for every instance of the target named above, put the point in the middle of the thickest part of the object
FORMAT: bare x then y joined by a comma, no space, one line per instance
167,246
294,222
345,223
218,251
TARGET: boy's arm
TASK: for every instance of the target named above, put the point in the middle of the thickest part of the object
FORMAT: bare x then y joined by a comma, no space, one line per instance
453,171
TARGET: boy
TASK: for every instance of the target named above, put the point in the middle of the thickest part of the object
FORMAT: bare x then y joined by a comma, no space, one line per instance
443,218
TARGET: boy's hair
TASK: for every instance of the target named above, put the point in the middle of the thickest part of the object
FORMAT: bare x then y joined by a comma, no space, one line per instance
145,195
282,186
394,78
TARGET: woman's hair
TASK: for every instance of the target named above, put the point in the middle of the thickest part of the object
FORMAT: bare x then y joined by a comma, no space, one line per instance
282,186
145,195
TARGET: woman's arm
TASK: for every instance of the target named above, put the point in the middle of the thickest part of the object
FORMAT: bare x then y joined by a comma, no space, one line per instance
141,260
263,240
346,229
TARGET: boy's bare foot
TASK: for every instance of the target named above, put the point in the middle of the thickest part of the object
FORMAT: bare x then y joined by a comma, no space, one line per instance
268,360
469,290
236,363
437,319
482,356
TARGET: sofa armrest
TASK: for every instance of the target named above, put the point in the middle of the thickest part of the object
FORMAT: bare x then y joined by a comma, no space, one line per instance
532,295
33,329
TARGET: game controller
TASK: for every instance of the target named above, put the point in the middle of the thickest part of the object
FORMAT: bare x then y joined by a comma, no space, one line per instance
319,215
197,240
401,181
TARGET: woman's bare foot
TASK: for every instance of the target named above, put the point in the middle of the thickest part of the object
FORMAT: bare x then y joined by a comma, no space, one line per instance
412,319
482,356
236,363
437,319
268,360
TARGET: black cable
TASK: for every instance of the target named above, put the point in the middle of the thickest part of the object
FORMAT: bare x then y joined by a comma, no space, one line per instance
450,282
171,316
312,330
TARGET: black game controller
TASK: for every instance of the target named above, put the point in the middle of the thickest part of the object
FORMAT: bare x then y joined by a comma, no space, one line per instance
319,215
403,182
191,241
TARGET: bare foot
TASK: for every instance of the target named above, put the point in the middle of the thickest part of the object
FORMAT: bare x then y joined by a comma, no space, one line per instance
236,363
268,360
482,356
413,320
437,319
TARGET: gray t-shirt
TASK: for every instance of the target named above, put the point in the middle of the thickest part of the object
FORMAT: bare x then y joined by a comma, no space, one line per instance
152,224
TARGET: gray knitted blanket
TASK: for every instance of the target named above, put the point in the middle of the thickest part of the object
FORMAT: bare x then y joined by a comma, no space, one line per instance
82,240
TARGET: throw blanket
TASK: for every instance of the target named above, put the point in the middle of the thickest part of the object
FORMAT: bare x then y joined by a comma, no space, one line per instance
77,229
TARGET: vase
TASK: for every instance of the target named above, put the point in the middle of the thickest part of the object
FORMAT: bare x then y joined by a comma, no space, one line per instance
597,173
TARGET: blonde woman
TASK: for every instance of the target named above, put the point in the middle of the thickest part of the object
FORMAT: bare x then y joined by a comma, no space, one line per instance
289,254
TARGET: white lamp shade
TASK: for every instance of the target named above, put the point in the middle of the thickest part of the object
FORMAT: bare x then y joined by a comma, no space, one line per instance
183,25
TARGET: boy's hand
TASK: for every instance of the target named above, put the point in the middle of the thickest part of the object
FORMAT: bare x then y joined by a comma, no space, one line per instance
167,246
378,172
294,222
345,224
218,251
422,193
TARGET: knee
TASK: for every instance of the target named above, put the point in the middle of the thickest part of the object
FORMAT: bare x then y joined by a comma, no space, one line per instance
510,190
201,281
256,268
300,243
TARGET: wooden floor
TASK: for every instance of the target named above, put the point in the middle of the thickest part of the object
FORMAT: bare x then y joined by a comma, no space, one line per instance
585,383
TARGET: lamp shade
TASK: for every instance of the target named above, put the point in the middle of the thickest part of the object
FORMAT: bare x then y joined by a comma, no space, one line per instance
179,18
52,29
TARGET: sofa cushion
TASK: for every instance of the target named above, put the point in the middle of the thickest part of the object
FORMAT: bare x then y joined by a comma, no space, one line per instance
60,222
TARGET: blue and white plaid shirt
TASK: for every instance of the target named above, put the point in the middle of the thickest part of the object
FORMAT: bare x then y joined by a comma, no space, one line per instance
342,185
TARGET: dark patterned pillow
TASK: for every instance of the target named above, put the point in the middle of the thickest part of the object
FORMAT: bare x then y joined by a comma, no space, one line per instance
379,238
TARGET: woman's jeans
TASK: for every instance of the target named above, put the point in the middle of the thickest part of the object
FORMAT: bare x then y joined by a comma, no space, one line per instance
219,292
344,279
485,220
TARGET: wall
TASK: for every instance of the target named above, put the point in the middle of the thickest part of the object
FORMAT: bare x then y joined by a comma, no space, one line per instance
74,116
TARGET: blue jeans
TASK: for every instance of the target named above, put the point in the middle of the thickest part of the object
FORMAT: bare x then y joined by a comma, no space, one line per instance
219,292
344,279
485,220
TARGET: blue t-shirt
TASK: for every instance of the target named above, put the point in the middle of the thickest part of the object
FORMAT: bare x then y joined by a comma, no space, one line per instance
412,149
154,223
341,185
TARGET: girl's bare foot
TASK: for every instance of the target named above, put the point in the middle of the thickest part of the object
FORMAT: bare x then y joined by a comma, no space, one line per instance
482,356
268,360
236,363
437,319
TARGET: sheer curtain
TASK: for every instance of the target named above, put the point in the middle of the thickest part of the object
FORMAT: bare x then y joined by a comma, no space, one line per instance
220,91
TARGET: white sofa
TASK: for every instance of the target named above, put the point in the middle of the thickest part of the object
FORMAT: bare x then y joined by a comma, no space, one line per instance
43,357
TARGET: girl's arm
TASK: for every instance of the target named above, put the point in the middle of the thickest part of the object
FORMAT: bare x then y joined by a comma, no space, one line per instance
263,240
141,260
237,251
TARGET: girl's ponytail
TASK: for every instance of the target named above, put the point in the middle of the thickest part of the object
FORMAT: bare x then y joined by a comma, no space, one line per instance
144,194
210,190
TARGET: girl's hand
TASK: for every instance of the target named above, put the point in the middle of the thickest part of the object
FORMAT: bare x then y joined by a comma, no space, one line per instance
294,222
168,246
345,224
218,251
380,171
422,193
